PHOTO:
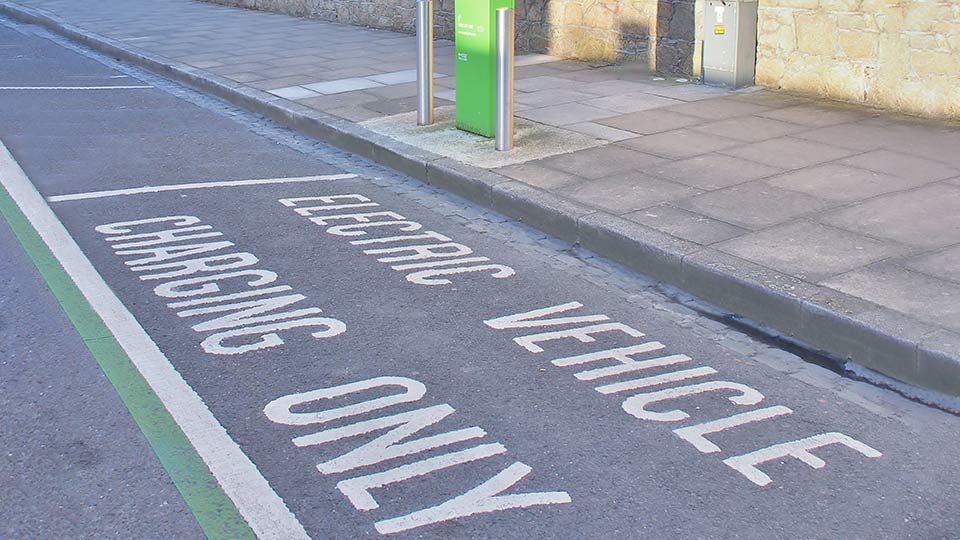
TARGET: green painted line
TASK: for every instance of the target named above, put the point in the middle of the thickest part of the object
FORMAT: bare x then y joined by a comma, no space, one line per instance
214,511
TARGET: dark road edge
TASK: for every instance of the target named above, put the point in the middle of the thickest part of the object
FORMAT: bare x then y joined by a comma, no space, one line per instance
839,326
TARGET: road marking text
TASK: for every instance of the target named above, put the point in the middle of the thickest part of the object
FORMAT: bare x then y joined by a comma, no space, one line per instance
484,498
241,307
584,328
426,257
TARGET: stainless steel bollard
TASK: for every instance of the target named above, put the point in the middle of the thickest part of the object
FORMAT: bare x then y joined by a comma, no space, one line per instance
424,62
503,135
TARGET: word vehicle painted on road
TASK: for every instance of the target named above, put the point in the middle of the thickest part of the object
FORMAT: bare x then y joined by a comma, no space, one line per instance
243,307
427,257
584,328
357,488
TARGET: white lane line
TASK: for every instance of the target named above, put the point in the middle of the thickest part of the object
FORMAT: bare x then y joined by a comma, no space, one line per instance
74,87
264,510
196,185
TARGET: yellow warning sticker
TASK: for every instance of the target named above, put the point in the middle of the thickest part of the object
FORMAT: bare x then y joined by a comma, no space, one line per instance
719,29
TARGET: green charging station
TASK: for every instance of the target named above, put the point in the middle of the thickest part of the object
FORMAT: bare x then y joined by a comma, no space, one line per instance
475,42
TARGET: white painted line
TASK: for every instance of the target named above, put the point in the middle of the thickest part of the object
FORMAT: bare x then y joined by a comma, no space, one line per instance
140,87
264,510
196,185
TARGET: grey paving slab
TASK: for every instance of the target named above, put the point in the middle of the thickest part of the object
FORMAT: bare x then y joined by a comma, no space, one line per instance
918,295
685,224
400,105
285,71
631,102
626,192
398,91
561,115
355,113
536,174
545,82
789,152
906,166
680,143
398,77
944,264
925,217
649,122
810,251
814,115
718,109
614,87
554,96
284,82
346,99
447,94
601,131
712,171
342,85
689,92
856,136
237,68
838,182
600,162
294,92
330,75
538,70
750,128
754,205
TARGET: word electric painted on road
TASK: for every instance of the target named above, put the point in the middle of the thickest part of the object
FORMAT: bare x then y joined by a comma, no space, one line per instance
481,499
427,257
583,328
243,313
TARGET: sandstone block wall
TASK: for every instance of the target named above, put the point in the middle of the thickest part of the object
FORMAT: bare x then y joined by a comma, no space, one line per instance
897,54
661,33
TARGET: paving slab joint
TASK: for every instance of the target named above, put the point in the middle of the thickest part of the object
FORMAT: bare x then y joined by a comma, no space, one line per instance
781,303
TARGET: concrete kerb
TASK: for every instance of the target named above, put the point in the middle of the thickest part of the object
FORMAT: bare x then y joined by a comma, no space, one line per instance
928,357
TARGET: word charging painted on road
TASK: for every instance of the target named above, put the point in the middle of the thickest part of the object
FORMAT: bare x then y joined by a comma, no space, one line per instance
427,257
357,488
243,308
583,328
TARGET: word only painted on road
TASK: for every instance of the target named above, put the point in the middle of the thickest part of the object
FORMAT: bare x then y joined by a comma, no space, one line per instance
427,257
584,328
243,307
392,392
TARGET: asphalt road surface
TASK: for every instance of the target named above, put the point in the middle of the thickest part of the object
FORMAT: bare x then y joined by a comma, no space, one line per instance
225,329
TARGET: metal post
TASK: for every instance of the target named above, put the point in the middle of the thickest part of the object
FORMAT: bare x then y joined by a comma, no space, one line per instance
424,62
504,89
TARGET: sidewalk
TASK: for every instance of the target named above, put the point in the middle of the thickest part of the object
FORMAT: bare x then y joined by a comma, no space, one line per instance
835,225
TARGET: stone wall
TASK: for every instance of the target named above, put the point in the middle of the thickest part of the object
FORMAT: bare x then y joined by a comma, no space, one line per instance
661,33
897,54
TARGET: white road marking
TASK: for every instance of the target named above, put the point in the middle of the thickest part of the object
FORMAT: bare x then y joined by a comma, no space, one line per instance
197,185
450,252
746,463
636,405
696,434
396,443
264,510
64,88
210,272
